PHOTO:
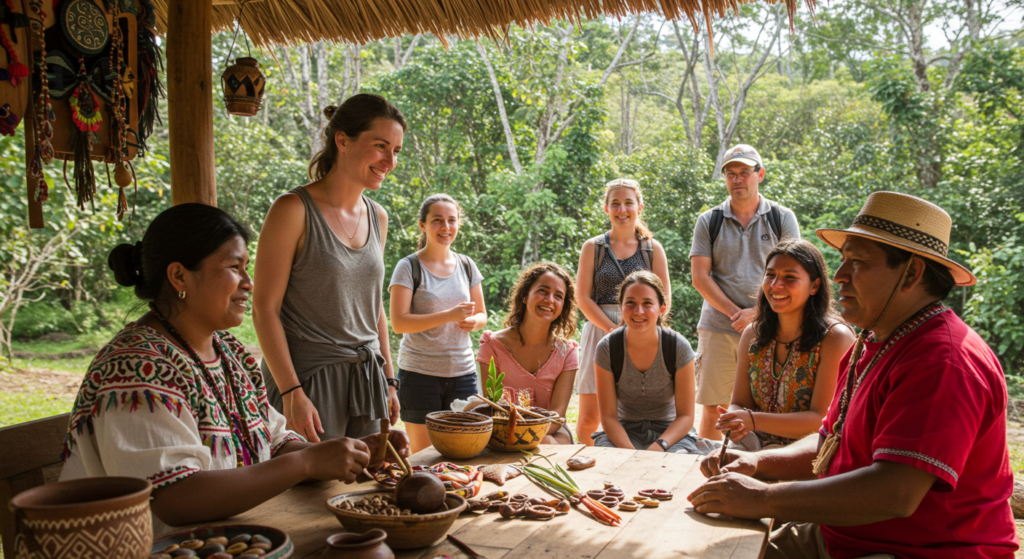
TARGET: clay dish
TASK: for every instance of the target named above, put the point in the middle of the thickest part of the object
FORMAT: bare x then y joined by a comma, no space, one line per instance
406,531
458,435
529,431
281,545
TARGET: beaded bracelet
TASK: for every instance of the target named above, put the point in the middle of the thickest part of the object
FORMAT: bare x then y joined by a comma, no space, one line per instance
290,390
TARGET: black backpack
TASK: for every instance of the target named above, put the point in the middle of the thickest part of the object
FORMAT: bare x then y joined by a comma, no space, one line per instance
417,269
718,217
617,345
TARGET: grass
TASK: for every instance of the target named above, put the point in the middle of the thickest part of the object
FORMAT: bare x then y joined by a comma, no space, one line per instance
20,407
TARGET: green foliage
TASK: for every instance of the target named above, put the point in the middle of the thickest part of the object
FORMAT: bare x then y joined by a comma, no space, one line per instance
996,308
21,407
495,388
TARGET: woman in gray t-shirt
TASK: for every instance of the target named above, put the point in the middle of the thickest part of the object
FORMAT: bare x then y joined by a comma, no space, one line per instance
648,407
435,316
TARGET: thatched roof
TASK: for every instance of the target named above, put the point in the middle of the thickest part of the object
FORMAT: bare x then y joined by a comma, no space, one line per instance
286,22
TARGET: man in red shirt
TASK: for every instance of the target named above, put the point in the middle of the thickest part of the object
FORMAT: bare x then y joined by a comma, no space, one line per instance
911,460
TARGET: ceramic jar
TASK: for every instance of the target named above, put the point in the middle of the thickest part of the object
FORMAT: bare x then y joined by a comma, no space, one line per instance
89,518
349,545
243,85
528,433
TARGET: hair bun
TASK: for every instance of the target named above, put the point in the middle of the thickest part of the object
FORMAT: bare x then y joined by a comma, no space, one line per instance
329,111
124,262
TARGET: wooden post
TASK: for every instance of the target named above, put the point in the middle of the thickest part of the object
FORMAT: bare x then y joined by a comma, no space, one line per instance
190,101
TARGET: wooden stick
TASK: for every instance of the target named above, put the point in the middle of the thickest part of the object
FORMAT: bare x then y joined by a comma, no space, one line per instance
469,551
402,462
522,411
382,447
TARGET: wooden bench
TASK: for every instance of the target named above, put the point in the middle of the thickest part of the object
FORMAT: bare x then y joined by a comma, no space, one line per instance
30,458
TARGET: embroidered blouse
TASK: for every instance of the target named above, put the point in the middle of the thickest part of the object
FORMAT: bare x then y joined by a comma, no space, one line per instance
564,357
183,431
786,391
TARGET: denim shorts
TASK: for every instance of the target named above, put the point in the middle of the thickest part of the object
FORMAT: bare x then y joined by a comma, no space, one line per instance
643,434
420,394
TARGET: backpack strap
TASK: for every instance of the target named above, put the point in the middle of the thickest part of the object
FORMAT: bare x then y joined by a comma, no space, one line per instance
417,271
668,351
647,252
775,220
617,345
611,253
715,223
467,266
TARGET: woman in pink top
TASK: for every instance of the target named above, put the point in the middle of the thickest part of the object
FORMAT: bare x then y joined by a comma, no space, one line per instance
534,350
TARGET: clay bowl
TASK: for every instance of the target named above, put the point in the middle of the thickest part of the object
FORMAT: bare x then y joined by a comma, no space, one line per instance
404,531
458,435
349,545
88,517
283,547
528,433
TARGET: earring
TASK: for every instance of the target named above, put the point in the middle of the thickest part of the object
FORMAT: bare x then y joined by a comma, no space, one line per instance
181,294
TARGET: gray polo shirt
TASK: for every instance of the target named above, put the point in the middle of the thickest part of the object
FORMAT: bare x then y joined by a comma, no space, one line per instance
737,259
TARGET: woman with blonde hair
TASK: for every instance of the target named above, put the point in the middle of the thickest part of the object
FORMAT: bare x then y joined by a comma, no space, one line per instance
605,261
319,310
436,300
535,350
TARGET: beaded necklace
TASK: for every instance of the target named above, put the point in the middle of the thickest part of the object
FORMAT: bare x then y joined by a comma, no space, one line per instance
853,381
245,450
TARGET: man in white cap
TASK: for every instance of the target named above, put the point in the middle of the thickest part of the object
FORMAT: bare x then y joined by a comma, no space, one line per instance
911,460
730,243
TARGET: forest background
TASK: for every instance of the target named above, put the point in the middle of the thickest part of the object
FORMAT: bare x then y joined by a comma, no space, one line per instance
918,96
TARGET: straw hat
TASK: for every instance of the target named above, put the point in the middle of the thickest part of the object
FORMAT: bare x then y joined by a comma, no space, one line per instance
906,222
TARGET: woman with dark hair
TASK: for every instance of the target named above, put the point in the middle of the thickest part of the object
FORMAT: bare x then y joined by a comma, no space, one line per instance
175,399
789,355
319,310
535,350
644,370
604,263
436,301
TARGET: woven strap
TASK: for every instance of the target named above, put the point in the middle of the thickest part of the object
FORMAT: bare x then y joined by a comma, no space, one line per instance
903,232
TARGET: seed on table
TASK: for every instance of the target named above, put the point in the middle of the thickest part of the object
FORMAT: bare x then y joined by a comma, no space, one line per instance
192,544
183,552
237,548
209,549
263,539
244,538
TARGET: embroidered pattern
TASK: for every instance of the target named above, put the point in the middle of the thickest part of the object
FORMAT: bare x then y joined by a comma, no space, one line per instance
140,368
904,232
168,477
917,456
790,393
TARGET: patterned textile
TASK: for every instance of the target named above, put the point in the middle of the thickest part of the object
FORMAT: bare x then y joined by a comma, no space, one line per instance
788,391
607,278
140,369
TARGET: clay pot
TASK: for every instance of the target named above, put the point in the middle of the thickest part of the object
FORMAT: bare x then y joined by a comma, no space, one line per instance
349,545
458,435
404,531
529,431
89,517
243,85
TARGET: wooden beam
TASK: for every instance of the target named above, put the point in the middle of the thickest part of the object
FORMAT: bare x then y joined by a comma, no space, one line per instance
190,101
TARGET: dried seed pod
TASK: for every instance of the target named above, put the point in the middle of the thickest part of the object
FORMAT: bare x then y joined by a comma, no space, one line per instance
192,544
511,510
495,505
537,501
562,506
639,498
651,503
608,485
209,549
580,462
477,505
646,492
608,501
237,548
220,555
520,498
615,492
662,495
219,539
539,512
496,496
596,494
629,506
245,538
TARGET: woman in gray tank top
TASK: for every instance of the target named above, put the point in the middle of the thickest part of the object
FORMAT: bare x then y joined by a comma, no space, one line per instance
318,311
605,261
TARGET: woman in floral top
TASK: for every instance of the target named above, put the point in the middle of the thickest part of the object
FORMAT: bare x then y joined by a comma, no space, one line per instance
175,399
789,355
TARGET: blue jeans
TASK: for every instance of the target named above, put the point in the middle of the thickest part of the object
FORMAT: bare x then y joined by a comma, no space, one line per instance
643,434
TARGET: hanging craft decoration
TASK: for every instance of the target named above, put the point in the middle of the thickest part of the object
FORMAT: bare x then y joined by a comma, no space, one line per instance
15,70
150,64
85,26
243,82
42,148
85,113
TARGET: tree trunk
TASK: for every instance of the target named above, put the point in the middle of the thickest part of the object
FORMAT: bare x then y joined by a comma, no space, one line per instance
510,140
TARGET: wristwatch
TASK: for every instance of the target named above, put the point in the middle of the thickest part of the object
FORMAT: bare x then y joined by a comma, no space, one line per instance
663,444
393,382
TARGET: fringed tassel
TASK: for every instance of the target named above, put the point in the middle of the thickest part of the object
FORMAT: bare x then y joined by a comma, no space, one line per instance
85,175
149,398
828,450
135,400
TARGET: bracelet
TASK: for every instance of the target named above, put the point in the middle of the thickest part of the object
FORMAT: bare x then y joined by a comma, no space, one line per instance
290,390
753,426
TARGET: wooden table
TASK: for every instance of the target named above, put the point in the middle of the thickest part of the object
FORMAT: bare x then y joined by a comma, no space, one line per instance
672,530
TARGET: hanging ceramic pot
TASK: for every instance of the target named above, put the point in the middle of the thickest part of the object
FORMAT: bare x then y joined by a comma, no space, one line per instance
243,85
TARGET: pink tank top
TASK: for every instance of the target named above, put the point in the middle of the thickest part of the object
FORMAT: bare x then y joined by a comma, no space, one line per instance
565,357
